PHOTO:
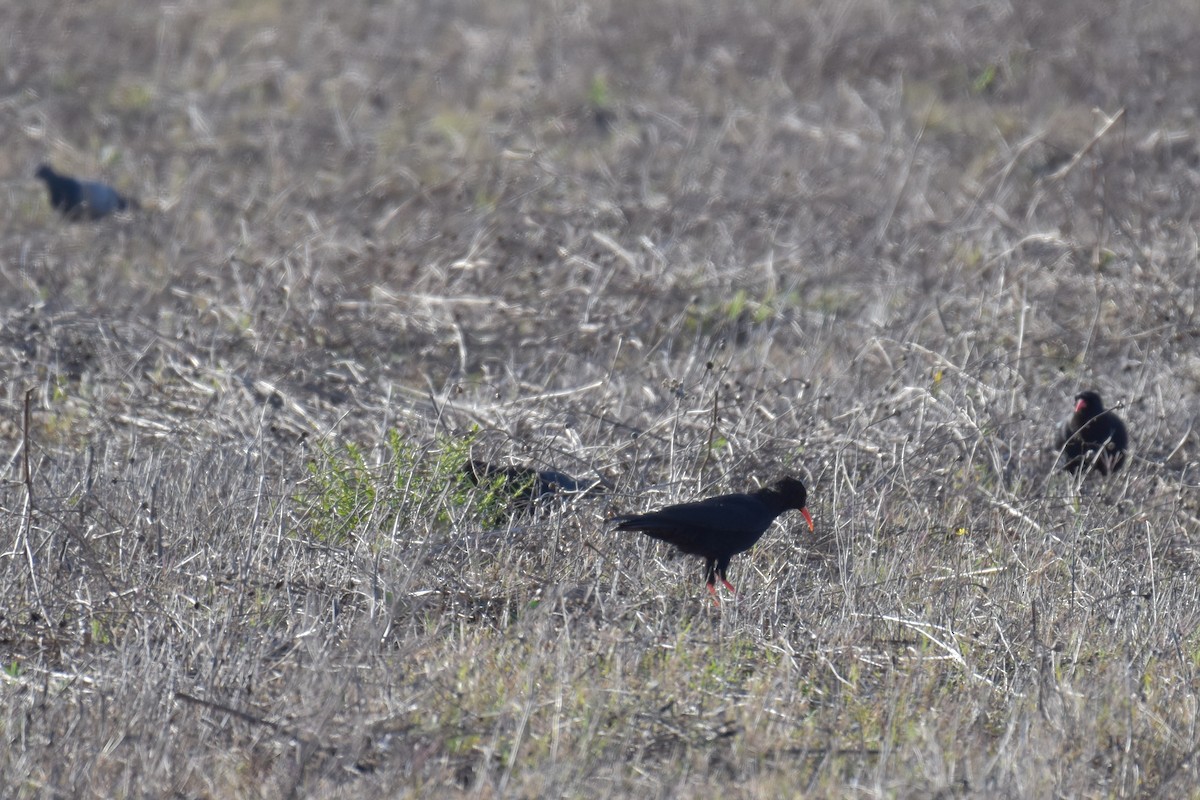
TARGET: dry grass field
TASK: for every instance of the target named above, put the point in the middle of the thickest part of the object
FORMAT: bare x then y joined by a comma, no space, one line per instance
683,247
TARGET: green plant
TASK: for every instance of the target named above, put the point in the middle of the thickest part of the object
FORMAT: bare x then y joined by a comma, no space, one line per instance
409,483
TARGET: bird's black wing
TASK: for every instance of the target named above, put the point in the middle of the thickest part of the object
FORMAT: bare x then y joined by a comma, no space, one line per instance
551,480
728,524
100,199
1117,433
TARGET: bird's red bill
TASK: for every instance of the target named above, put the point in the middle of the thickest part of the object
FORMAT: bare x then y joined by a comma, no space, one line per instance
807,518
1080,406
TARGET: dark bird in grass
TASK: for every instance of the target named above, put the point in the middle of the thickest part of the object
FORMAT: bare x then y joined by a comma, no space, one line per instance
720,527
79,200
526,486
1092,437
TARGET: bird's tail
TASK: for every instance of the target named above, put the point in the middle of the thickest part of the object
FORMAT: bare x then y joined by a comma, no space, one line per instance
630,522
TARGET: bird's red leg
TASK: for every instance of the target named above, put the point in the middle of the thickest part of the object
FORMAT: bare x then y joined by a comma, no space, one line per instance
729,586
712,589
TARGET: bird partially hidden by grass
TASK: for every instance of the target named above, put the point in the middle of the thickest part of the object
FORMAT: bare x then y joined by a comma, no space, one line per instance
1093,437
720,527
82,200
526,488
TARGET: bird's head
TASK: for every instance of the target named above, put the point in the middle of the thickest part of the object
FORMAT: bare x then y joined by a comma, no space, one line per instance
1088,403
795,495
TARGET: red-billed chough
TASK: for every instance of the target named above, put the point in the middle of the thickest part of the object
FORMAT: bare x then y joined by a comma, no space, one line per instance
1092,437
77,199
526,486
720,527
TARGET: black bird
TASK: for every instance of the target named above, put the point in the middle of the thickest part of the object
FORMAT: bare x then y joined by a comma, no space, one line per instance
82,199
1092,437
720,527
525,485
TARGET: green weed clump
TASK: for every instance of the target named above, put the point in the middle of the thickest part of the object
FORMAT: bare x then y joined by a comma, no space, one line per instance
404,485
348,491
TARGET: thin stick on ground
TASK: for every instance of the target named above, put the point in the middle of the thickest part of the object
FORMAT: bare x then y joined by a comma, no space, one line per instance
29,506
